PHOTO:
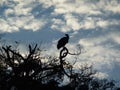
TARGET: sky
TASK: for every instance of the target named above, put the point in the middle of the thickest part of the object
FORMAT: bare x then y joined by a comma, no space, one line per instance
92,24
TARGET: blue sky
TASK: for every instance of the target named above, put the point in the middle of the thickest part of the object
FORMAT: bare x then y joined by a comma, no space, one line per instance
94,24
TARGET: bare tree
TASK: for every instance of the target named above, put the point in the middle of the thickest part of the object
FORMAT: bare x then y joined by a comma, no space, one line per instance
31,72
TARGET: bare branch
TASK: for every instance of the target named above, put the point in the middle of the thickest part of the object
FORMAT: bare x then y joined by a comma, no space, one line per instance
77,53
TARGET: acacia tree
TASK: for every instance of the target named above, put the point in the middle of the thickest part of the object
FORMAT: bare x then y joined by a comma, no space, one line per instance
31,72
27,69
23,70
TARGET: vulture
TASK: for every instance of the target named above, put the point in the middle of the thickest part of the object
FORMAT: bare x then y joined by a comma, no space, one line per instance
63,41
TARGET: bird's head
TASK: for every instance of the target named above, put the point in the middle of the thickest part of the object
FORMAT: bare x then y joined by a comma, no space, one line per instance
67,35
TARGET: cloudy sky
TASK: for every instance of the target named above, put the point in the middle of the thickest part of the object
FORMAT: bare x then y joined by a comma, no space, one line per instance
94,24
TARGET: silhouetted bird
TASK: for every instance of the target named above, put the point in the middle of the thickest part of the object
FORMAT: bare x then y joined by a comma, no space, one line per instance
63,41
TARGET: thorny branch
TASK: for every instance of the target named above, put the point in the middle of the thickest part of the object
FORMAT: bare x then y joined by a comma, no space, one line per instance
63,53
33,55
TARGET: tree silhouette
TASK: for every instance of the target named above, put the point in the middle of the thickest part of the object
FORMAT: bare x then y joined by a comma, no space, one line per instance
24,71
32,72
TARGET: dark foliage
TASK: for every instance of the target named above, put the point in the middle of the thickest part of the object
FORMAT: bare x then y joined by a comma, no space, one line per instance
35,72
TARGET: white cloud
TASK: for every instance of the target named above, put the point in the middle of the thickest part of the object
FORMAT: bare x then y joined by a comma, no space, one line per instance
102,52
77,6
79,14
19,16
58,24
72,22
88,23
5,27
29,22
101,75
113,6
102,23
106,23
76,14
115,35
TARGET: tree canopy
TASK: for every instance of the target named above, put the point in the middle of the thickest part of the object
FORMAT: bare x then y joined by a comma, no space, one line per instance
36,72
